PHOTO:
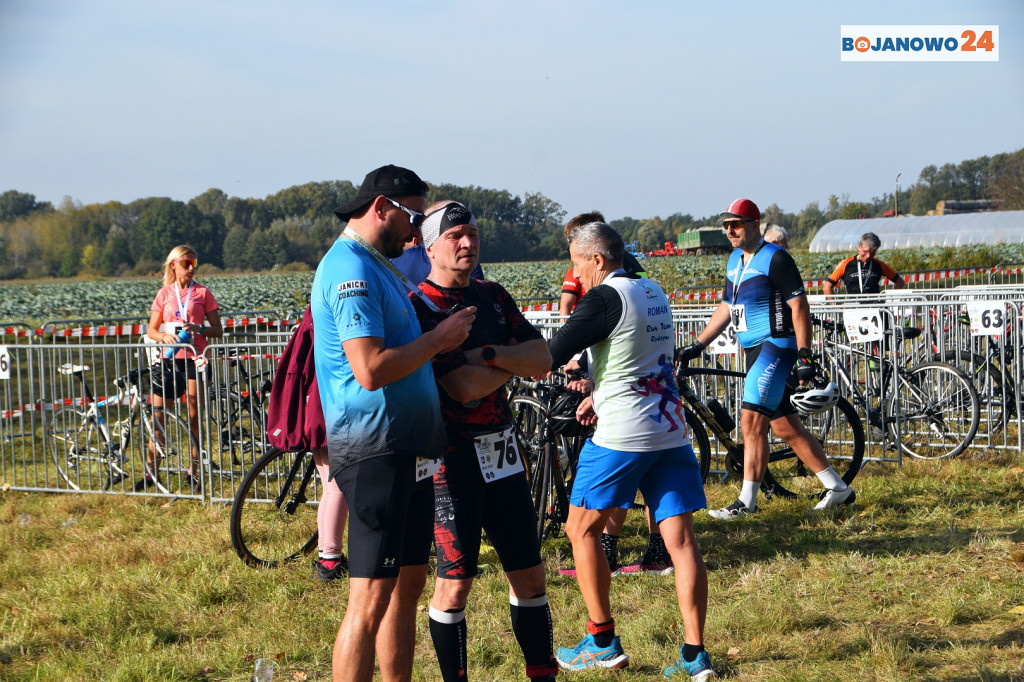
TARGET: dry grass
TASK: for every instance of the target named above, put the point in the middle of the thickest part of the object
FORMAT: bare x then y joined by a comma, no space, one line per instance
921,580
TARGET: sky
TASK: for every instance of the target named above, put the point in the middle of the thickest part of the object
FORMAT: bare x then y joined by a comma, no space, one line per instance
633,108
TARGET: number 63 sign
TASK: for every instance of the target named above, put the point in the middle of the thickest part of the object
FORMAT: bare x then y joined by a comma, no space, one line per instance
987,317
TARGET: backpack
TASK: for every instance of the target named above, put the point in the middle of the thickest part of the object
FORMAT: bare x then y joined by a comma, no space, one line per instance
295,418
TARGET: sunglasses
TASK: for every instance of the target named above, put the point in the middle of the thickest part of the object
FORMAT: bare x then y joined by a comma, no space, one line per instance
415,217
187,262
736,224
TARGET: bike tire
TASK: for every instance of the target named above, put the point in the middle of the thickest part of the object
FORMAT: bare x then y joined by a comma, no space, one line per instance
995,396
700,442
939,411
841,434
272,519
78,450
540,489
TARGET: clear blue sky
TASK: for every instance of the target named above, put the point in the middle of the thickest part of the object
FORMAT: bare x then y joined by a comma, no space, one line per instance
635,108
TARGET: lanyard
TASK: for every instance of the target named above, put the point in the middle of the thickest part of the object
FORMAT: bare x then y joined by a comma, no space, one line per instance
352,234
183,306
743,271
860,279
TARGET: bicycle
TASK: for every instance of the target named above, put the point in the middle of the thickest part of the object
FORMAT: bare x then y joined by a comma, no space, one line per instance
238,410
273,514
928,411
838,429
88,451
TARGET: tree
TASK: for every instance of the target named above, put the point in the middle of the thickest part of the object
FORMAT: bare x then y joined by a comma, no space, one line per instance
167,223
235,243
14,204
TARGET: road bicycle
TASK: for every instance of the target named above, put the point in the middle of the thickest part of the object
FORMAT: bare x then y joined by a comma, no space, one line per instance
928,411
838,429
92,454
273,515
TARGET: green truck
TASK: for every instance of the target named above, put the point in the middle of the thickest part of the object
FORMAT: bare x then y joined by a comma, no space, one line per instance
703,241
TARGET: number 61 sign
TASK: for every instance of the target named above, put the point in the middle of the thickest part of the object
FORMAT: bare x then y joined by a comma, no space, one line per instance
863,325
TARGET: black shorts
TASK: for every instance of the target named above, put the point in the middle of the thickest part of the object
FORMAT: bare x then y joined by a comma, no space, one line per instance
187,367
389,515
465,504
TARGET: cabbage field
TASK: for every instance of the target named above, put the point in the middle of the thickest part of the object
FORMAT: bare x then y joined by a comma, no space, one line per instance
107,300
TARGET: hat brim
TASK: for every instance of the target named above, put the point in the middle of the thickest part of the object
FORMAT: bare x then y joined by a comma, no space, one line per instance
725,215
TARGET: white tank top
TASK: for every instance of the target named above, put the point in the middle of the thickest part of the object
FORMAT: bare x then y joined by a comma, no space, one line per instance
635,395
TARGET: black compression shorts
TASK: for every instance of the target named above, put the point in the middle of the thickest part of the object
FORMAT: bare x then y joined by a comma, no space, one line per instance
389,515
465,504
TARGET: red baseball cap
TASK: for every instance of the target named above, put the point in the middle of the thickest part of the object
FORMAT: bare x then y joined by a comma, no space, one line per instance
744,209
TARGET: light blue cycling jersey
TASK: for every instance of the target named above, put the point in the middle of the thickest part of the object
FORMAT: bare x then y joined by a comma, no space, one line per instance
764,286
354,296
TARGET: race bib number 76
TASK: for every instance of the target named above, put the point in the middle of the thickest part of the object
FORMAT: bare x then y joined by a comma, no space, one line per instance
498,455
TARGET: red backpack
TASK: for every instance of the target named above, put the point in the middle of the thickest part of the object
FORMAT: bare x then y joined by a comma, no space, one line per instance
295,418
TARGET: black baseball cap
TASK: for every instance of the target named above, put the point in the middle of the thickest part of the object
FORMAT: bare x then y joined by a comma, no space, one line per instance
389,181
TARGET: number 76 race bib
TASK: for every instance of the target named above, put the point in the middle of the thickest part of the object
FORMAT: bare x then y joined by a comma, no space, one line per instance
498,454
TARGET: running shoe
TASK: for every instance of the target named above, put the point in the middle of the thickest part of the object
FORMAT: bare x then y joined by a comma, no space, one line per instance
647,563
587,654
143,483
193,483
698,670
326,575
836,498
733,511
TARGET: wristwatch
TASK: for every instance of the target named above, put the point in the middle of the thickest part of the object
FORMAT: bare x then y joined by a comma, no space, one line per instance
488,354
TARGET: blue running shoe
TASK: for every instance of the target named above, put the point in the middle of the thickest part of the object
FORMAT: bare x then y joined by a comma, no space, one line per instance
587,654
698,670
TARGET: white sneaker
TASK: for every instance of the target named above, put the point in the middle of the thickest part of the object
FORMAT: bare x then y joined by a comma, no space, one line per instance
733,511
836,498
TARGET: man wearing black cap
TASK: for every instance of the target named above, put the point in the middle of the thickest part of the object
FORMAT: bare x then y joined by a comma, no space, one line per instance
382,417
765,301
472,493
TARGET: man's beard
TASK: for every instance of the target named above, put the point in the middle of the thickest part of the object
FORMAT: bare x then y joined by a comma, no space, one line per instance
392,241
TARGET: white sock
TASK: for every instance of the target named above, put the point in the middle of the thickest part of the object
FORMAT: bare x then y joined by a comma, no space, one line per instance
831,480
748,494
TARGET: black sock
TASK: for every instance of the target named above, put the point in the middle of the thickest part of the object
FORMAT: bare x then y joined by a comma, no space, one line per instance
531,623
610,545
656,550
690,651
448,632
603,633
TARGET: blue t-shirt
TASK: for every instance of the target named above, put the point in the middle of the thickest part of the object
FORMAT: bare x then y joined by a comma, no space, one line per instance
354,296
763,287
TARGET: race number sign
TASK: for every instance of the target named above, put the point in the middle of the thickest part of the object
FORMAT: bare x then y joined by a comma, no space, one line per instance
498,455
427,467
725,343
863,325
5,363
987,317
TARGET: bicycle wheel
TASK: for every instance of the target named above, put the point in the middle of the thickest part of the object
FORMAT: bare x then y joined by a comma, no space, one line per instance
273,515
841,435
174,444
700,442
939,411
541,489
78,451
995,396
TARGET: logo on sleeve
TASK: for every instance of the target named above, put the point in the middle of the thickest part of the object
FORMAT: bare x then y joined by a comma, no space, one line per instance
355,287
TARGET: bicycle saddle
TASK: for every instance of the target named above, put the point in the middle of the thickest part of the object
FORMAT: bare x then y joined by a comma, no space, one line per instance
68,368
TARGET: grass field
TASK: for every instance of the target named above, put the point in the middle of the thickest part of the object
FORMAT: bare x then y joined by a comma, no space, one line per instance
920,580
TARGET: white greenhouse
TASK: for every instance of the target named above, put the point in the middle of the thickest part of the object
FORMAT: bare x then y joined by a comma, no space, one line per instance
961,229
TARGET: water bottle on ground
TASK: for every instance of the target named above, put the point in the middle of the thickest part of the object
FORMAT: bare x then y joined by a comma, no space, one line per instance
264,670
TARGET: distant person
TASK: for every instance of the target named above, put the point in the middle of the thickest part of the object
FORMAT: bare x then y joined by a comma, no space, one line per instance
382,416
862,274
777,234
572,289
470,495
182,303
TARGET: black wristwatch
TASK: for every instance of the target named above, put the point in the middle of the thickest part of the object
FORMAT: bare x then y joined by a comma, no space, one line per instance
488,353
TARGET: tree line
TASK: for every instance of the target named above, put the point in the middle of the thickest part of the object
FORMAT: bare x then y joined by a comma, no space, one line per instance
293,228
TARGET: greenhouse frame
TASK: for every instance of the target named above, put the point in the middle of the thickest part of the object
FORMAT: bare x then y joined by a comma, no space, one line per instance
907,232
